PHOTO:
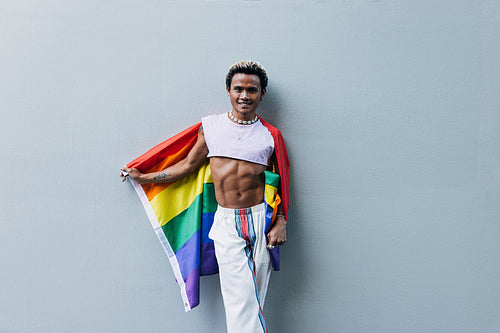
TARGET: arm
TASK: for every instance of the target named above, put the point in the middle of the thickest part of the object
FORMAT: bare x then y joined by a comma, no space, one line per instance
196,156
277,234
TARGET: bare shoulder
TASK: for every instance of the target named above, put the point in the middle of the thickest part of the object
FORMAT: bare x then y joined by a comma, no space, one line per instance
200,147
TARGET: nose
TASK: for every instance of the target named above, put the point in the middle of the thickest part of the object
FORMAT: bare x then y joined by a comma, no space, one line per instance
244,94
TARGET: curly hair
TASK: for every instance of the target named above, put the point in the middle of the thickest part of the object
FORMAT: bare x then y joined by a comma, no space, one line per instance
247,67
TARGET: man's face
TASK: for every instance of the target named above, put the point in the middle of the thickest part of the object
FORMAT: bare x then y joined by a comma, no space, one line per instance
245,94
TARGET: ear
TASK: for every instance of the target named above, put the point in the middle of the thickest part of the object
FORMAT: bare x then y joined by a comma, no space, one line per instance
227,89
262,94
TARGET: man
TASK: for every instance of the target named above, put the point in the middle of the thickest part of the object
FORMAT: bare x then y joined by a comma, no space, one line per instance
239,148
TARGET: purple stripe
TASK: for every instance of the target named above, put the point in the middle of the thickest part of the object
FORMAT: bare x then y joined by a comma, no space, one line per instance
208,261
275,258
188,256
192,282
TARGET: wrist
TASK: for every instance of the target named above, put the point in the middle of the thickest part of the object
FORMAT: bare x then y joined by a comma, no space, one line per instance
140,178
280,218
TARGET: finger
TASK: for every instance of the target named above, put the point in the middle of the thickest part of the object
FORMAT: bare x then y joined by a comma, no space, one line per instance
125,172
270,238
275,242
271,246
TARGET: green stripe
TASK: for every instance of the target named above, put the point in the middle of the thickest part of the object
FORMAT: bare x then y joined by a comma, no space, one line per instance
272,178
180,228
209,202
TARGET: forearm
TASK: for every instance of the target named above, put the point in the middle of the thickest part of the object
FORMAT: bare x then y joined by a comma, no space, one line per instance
280,214
280,221
277,235
170,174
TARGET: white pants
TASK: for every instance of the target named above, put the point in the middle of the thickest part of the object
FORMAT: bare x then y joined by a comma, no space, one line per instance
244,266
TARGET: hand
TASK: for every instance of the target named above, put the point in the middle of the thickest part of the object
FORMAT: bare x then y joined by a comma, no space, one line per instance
132,173
277,235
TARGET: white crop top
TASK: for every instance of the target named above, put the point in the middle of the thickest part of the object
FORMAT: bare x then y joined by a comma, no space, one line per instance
224,138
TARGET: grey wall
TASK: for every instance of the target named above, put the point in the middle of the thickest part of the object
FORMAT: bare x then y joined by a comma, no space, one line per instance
391,113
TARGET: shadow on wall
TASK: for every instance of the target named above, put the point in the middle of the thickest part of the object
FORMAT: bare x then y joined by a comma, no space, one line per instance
286,286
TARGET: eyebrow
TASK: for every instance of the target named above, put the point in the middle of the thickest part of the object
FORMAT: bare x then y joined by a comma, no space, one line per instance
249,88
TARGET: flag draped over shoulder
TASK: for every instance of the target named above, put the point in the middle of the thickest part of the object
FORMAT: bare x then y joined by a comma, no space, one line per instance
182,212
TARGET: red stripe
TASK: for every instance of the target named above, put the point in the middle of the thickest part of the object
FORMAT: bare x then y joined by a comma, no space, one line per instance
244,224
283,163
155,156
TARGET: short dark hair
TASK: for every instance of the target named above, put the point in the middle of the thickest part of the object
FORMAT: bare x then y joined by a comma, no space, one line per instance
247,67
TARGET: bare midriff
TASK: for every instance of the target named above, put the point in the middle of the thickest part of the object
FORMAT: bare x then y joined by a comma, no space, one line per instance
238,184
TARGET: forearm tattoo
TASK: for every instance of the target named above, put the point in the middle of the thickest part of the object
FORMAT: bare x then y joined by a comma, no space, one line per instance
162,176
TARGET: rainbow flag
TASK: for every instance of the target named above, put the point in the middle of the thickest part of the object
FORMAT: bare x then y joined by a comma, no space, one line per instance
182,212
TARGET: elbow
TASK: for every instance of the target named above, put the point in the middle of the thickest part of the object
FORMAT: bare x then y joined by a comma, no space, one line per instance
190,168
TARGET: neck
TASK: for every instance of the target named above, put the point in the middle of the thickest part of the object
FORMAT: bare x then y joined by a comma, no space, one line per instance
241,121
243,116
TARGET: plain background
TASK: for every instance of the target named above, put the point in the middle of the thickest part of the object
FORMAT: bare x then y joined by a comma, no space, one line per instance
391,113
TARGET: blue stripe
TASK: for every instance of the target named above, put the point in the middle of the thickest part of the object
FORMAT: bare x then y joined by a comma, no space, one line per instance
237,221
188,256
207,219
268,215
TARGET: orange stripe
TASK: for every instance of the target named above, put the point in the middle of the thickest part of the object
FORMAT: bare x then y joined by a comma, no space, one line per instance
152,190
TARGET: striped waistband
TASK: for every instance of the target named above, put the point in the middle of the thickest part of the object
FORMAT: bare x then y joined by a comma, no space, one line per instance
233,211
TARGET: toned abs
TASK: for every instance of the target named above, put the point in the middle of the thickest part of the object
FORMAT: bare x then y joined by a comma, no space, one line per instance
238,184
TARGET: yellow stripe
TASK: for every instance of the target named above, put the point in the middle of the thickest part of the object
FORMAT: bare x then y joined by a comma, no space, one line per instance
270,194
180,195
